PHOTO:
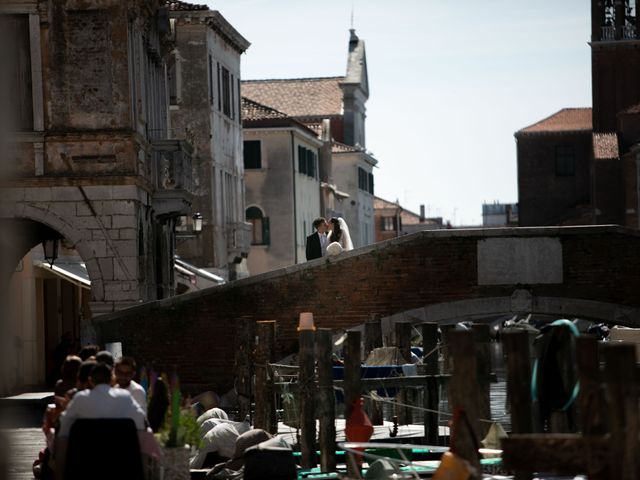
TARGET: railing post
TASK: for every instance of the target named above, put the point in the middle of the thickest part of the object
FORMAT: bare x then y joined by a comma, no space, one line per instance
403,342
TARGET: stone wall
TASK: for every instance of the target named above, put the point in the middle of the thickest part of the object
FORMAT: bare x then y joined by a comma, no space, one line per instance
599,269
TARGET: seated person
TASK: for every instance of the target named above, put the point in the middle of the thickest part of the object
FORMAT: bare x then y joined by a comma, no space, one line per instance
125,370
101,401
69,374
219,443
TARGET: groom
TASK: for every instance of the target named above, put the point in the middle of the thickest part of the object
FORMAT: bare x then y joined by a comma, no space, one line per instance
317,241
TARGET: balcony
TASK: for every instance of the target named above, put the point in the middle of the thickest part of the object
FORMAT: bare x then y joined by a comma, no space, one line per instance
238,240
171,174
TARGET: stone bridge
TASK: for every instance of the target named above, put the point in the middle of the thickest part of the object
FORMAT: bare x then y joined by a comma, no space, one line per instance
443,276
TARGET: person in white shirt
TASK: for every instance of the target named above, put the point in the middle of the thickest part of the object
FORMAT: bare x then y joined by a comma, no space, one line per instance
101,401
125,370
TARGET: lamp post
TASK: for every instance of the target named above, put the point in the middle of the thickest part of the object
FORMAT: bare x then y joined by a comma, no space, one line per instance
50,247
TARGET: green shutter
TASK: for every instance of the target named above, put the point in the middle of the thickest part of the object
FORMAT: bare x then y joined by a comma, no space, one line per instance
266,232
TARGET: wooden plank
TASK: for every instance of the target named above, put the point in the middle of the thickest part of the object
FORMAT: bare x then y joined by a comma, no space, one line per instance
307,392
560,453
622,395
326,401
591,401
516,349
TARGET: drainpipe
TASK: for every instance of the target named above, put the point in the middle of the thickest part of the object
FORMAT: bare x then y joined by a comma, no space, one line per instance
295,214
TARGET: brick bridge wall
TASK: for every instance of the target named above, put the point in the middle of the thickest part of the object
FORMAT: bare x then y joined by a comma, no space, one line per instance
197,332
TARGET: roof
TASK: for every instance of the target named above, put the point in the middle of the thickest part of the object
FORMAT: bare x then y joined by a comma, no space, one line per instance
605,146
357,63
177,5
256,111
565,120
298,97
337,147
255,114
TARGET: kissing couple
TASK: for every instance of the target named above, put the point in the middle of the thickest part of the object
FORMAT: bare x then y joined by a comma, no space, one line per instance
330,238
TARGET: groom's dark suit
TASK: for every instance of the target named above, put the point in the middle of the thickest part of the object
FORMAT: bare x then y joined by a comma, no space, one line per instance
314,248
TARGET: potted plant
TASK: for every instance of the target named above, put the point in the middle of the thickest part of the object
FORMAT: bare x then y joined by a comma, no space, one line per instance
176,428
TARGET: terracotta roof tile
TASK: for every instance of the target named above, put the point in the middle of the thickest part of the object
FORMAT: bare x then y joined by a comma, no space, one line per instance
567,119
605,146
300,97
177,5
255,111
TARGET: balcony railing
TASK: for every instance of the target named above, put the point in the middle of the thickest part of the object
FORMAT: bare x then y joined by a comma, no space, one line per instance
608,33
172,179
239,239
629,32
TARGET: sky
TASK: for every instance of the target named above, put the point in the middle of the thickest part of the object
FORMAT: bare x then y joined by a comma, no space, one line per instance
450,83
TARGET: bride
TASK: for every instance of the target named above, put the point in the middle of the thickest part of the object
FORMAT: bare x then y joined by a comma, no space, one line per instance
339,238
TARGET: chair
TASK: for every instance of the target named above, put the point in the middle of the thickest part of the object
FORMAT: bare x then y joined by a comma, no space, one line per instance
103,449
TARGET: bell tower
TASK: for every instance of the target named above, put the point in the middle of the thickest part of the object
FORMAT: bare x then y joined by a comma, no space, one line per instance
615,60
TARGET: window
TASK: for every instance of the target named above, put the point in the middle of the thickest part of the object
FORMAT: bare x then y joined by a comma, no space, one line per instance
172,73
365,180
219,82
260,226
15,30
252,154
210,80
226,92
307,162
388,224
565,161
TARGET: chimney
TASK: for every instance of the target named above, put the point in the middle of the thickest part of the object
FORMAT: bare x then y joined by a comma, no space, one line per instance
422,217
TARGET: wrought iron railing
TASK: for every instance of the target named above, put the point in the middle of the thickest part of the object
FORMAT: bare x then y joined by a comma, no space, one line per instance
608,33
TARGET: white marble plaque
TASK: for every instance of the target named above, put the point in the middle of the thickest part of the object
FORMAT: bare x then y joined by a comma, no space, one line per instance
525,261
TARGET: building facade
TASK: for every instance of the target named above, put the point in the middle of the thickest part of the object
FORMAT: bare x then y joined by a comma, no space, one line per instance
95,166
204,74
334,107
282,186
581,165
392,220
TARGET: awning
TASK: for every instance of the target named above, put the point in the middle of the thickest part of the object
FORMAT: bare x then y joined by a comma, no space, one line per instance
72,271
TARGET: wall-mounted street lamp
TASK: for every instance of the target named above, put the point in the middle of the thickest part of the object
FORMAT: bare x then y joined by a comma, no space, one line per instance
197,222
50,248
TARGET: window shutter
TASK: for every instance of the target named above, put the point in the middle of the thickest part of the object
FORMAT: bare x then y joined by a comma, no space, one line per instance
382,223
219,88
266,232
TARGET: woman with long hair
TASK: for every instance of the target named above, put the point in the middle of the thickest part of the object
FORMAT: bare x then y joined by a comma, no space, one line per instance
339,238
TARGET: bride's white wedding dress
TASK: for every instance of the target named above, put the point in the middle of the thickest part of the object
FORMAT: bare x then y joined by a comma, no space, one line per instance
345,243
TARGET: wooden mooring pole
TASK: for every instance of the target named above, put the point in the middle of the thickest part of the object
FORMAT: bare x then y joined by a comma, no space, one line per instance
482,341
463,389
403,342
373,340
352,386
307,392
431,397
265,415
516,349
326,401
